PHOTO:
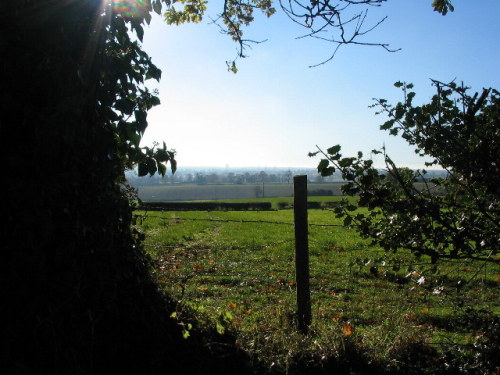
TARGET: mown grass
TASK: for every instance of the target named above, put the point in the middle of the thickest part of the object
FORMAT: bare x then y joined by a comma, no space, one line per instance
235,271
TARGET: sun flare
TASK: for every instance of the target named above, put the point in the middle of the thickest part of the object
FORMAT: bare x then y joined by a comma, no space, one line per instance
129,8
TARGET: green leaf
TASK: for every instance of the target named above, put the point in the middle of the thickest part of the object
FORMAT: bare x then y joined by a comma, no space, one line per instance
155,101
147,17
143,169
334,150
125,106
157,7
399,112
141,118
152,166
346,162
324,163
442,6
138,29
173,165
328,171
347,221
231,66
153,73
220,328
161,169
387,125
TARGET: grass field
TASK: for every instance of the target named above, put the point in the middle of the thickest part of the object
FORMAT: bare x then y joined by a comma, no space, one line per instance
393,312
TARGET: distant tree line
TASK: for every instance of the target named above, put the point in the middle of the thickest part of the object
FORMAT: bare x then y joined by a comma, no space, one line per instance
226,176
200,176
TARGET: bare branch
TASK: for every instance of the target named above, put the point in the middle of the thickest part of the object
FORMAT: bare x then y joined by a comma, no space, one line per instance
333,17
328,20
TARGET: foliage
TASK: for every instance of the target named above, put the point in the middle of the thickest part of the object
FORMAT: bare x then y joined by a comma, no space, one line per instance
456,216
122,97
80,298
443,6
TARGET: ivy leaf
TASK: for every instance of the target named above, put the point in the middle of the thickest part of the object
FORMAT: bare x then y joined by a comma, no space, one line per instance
138,29
157,7
125,106
141,118
147,17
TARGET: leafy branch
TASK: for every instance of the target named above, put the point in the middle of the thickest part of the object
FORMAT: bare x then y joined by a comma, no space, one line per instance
450,217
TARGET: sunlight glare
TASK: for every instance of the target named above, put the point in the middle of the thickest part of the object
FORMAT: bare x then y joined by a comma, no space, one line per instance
129,8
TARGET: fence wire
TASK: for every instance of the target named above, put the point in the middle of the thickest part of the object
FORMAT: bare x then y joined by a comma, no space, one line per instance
240,221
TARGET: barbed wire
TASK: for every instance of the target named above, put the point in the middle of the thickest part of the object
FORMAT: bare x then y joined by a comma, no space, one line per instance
240,221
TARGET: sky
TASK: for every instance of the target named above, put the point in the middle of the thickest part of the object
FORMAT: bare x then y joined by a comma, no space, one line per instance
277,109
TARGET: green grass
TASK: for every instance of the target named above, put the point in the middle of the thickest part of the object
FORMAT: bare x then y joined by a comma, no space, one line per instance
235,270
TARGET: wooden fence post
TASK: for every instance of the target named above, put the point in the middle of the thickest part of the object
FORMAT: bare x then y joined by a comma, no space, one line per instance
302,253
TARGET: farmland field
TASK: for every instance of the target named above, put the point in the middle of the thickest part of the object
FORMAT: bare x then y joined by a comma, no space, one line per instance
187,192
235,271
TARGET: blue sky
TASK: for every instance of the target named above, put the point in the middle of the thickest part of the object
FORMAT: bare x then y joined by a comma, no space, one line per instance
276,109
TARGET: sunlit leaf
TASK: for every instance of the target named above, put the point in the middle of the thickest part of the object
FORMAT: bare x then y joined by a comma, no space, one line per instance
347,329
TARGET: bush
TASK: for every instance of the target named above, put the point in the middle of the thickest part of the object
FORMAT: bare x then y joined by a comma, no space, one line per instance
320,193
